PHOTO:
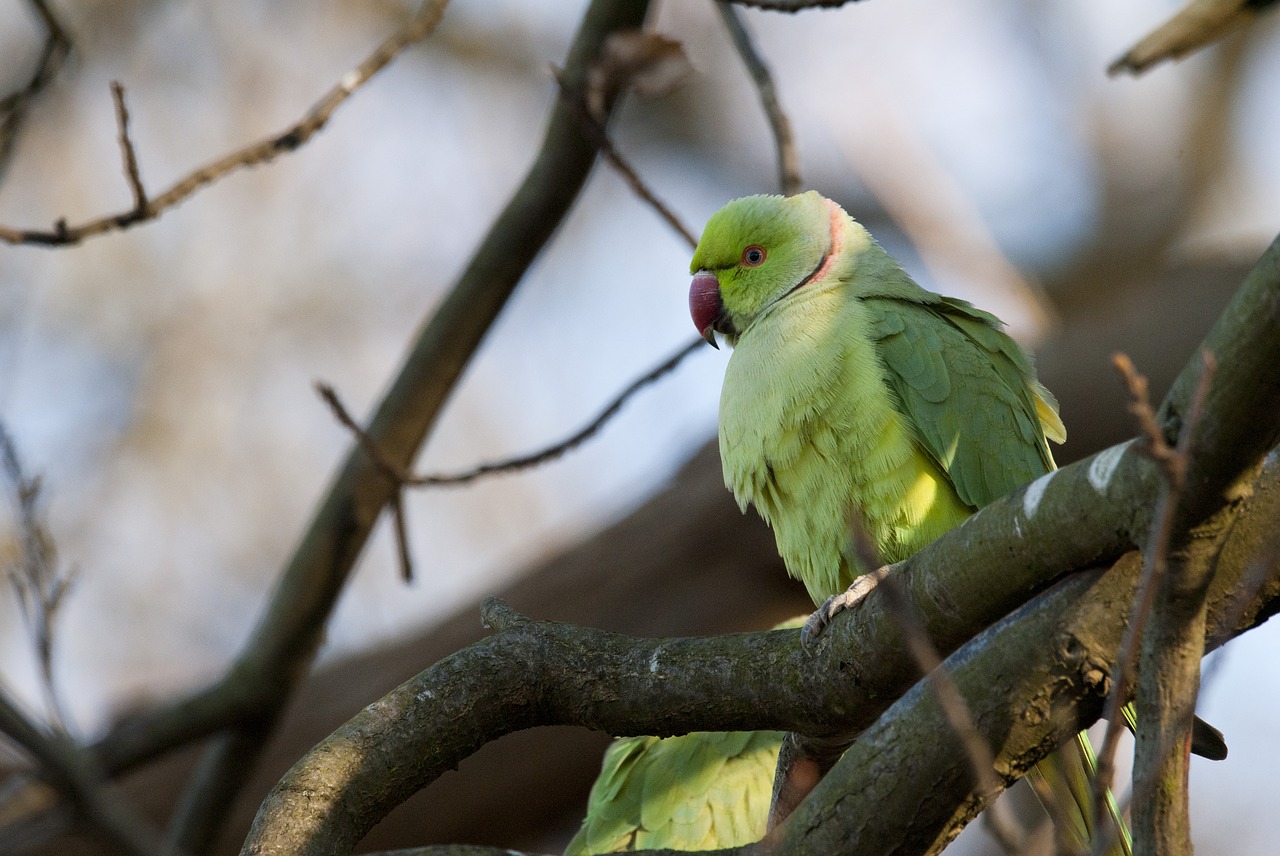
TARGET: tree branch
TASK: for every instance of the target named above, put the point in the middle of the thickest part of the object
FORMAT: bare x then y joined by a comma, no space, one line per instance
600,136
14,106
417,29
250,697
788,161
792,5
507,465
537,673
505,682
65,767
127,153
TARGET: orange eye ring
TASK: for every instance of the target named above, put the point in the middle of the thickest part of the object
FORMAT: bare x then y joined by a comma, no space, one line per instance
754,256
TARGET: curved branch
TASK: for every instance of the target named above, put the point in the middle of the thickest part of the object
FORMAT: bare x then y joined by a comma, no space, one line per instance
789,181
540,673
1085,514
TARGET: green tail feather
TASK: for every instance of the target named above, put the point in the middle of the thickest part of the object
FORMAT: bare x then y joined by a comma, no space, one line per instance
1069,774
1206,741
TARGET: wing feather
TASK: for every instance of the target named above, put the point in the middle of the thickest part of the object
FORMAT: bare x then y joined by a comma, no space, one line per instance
968,391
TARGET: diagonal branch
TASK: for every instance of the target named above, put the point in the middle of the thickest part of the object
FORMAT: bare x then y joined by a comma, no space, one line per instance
600,136
284,643
264,151
67,769
14,106
788,161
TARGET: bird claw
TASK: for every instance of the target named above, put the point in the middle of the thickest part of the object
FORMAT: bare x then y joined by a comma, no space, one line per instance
816,623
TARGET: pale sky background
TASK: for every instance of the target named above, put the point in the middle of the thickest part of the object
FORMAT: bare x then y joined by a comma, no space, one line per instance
160,379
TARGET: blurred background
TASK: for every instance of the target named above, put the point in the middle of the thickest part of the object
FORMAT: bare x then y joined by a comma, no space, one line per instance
160,379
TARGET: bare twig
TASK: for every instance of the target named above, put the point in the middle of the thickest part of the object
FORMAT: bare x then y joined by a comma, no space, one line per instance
1173,463
788,162
402,478
509,465
14,106
37,582
127,154
403,553
1197,24
600,137
792,5
417,29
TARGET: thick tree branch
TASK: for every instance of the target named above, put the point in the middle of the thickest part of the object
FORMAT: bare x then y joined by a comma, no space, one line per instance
531,673
1032,682
361,772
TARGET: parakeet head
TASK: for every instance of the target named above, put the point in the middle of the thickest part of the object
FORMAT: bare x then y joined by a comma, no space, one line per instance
754,251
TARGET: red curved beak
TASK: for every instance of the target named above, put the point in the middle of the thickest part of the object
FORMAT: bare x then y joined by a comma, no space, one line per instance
705,305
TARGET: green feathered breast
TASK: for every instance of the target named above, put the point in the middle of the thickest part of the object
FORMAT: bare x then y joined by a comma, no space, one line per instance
853,391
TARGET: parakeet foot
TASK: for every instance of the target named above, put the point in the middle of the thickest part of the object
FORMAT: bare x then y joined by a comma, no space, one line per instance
836,604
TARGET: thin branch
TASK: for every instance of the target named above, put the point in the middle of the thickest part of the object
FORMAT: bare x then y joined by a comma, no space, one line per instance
127,153
792,5
264,151
788,161
68,769
977,750
509,465
39,585
1197,24
14,106
1173,463
403,553
600,137
402,478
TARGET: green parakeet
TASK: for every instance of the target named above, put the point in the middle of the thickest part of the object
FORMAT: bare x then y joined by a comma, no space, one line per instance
701,791
851,389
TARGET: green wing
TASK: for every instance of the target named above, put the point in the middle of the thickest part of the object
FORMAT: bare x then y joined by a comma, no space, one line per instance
700,791
968,391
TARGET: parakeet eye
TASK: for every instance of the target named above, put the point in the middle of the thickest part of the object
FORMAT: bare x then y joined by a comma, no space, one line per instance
753,256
